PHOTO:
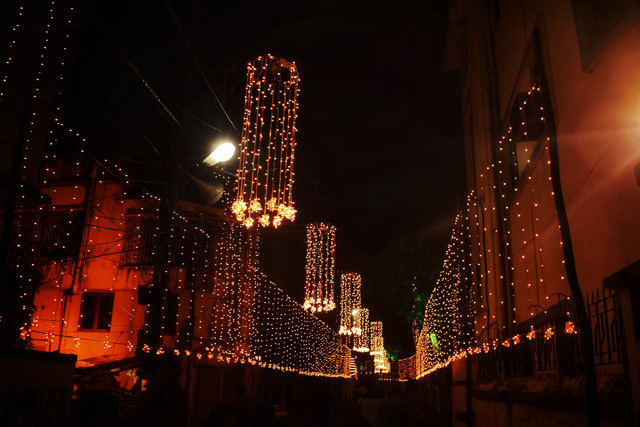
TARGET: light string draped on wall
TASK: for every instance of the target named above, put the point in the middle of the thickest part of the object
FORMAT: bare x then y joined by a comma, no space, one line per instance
447,323
265,173
320,267
407,368
287,337
319,351
532,191
41,100
324,355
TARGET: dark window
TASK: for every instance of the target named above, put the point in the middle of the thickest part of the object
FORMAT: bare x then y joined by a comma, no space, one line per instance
54,235
95,311
139,240
634,296
525,130
188,248
599,23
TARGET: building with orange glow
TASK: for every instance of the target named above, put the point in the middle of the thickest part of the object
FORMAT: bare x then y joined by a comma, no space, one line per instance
551,114
98,247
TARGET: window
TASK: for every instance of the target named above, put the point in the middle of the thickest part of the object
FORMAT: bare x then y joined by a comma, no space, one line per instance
95,312
599,23
139,240
525,129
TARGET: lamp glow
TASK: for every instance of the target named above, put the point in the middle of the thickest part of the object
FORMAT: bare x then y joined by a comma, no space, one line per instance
221,153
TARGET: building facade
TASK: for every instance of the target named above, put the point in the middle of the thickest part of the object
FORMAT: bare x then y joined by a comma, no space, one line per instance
551,117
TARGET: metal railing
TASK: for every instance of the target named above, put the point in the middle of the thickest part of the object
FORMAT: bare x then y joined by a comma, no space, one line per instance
559,352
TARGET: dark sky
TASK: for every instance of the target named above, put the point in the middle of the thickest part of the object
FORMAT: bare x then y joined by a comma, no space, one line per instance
379,151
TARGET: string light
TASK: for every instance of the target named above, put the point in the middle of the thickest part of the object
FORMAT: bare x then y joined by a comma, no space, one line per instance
525,197
265,173
12,44
320,267
350,303
378,352
407,368
447,333
362,342
287,337
531,334
570,328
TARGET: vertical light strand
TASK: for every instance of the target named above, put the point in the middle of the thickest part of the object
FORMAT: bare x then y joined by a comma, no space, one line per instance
320,267
12,43
362,342
350,302
265,172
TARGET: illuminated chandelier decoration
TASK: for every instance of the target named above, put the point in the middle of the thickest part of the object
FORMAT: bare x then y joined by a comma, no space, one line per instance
377,341
265,173
321,254
350,302
378,352
361,342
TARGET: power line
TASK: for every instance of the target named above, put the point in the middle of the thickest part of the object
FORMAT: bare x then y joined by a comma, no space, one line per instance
198,61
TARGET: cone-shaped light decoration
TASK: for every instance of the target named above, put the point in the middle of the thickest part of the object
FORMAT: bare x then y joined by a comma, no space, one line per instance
350,302
265,171
321,255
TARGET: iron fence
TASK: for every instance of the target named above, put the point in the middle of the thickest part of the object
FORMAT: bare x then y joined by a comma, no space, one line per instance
545,344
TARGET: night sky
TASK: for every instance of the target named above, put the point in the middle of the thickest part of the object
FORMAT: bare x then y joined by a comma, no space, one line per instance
379,151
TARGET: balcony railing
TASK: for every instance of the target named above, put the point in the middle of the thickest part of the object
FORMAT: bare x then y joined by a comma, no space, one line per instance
561,352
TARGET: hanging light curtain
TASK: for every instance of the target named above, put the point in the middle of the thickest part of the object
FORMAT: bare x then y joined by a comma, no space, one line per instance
321,254
350,302
361,342
265,173
377,348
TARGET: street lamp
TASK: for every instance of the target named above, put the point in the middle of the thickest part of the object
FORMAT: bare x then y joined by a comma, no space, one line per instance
222,151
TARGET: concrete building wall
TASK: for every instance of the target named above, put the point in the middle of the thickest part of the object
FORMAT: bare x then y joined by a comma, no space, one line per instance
580,64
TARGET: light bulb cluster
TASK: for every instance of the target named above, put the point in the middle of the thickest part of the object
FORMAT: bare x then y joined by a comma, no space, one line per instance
350,303
265,173
320,268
